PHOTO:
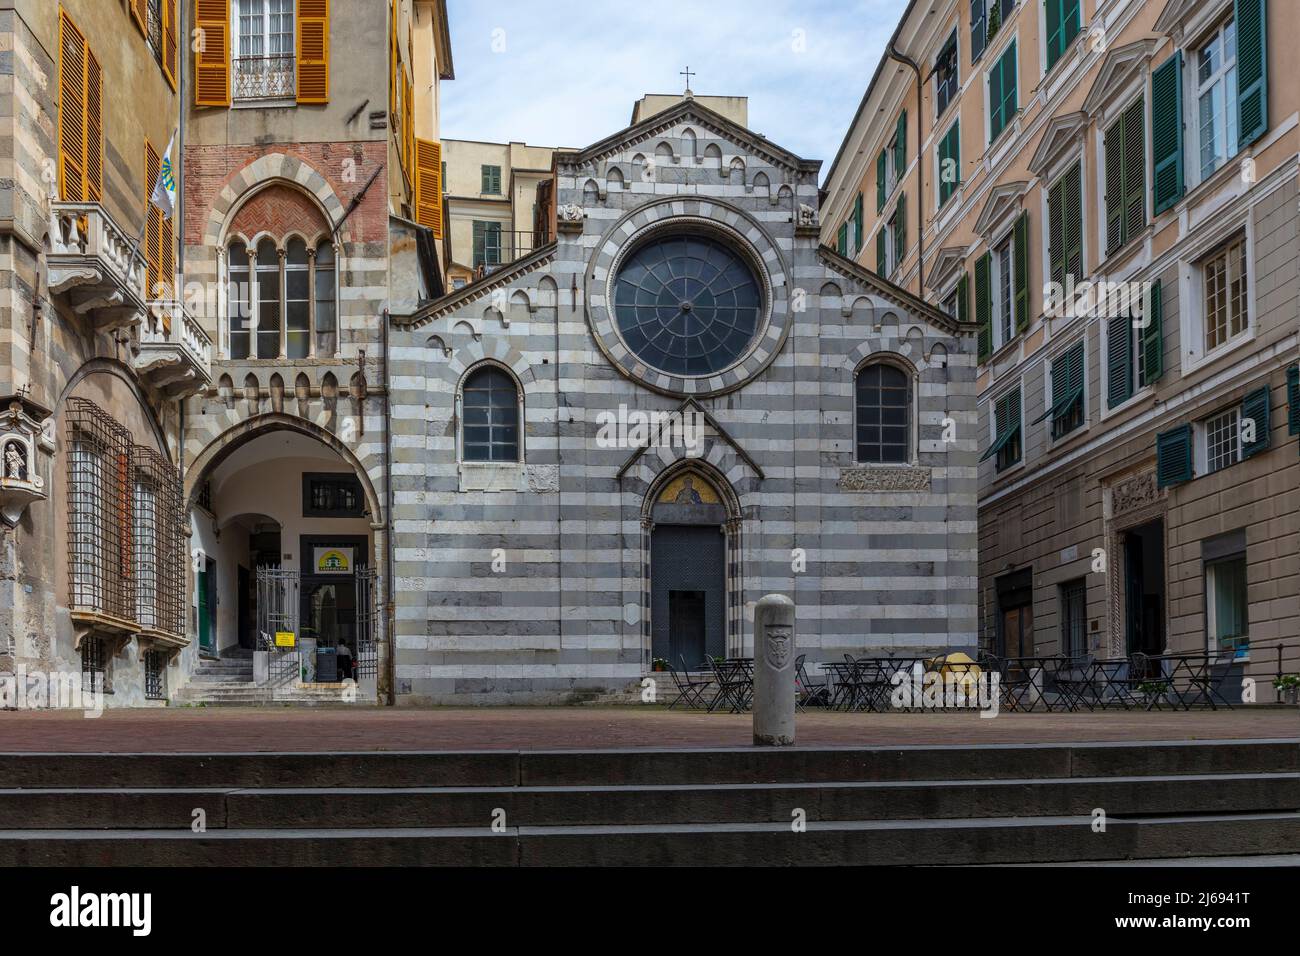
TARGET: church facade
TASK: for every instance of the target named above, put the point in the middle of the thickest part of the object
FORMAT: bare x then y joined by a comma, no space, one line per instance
604,453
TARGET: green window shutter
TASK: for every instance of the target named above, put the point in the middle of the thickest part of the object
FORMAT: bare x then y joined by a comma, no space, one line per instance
842,239
1252,70
1055,46
995,101
977,29
949,163
1119,360
1134,175
1293,400
1056,231
882,253
1256,406
900,145
1007,422
1167,133
480,231
880,181
1114,163
857,223
1071,22
900,230
984,306
963,305
1021,255
1153,338
1073,197
1174,456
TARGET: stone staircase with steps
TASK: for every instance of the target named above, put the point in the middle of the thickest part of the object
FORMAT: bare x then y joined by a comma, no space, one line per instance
228,682
909,805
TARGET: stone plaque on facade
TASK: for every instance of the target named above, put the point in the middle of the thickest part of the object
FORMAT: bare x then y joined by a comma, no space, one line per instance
880,478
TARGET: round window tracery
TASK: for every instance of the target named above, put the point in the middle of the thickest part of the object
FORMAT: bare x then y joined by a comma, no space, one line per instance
687,304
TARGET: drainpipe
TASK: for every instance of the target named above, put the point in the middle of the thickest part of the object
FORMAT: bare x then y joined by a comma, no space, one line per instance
390,612
920,192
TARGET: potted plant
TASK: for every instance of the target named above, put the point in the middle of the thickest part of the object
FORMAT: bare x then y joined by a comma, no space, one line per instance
1153,690
1287,687
659,664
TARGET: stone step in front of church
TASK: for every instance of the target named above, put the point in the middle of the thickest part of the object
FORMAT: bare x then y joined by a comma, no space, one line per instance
929,805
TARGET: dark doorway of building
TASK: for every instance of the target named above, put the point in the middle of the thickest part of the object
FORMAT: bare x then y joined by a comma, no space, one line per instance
688,585
687,617
264,552
329,599
1015,630
1144,588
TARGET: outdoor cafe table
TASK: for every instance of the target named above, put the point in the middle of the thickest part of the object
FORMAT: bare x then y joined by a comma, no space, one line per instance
735,677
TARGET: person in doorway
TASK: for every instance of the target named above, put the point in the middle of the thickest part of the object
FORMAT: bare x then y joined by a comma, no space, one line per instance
345,662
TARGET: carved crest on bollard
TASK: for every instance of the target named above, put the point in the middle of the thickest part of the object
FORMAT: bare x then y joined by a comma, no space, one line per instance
779,640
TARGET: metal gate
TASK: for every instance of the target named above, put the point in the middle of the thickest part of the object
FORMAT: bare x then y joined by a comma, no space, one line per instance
277,613
367,621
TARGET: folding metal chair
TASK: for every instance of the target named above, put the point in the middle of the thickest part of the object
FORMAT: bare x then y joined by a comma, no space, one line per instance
688,690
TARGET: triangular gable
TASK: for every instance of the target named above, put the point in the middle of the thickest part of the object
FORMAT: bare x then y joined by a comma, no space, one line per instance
478,288
946,261
1117,70
688,111
1174,13
1002,201
717,430
1061,133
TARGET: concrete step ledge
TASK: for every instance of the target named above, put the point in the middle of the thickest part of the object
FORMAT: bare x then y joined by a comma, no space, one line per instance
905,842
348,807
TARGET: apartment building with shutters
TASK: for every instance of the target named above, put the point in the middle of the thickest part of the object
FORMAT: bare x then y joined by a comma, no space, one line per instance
314,212
497,208
1108,188
97,352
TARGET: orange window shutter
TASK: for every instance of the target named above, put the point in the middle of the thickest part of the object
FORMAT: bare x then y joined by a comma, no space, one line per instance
169,60
428,185
168,250
94,129
212,61
72,112
152,225
139,13
313,51
392,60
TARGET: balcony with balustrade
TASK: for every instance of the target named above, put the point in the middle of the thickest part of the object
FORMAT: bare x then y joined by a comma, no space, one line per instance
260,78
173,353
95,267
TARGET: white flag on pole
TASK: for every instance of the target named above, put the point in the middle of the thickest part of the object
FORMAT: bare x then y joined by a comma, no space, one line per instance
164,190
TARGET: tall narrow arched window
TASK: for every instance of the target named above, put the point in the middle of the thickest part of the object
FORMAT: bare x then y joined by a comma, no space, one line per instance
490,429
884,414
268,300
239,302
326,304
297,301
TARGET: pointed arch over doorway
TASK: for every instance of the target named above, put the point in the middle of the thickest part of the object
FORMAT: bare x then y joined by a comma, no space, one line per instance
691,556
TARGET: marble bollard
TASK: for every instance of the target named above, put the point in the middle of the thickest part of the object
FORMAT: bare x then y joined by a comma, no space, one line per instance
774,674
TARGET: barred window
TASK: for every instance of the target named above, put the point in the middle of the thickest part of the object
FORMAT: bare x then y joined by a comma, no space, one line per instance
93,659
491,417
884,420
327,495
126,564
155,675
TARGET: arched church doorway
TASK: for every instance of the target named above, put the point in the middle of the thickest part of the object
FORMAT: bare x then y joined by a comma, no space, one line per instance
692,533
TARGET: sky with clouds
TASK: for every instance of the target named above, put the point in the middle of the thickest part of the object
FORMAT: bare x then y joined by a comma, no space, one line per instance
563,73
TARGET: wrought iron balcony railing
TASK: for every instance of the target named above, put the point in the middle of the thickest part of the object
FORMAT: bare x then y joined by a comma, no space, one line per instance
265,77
